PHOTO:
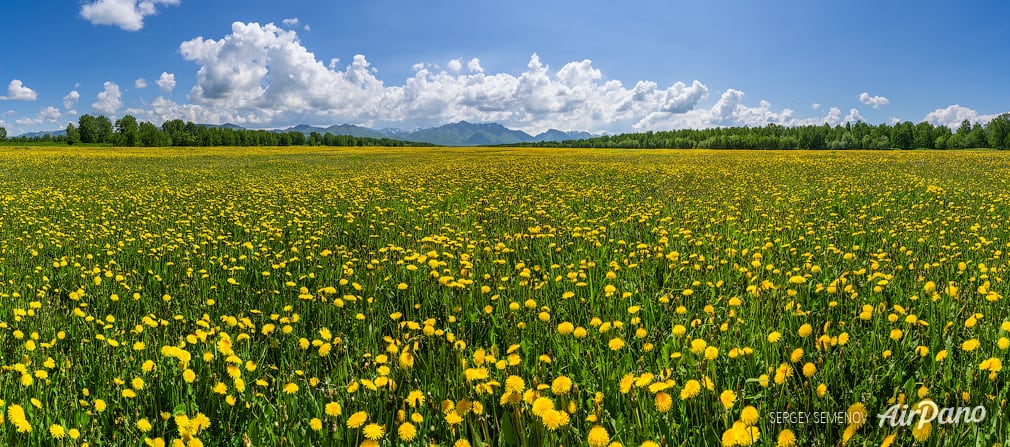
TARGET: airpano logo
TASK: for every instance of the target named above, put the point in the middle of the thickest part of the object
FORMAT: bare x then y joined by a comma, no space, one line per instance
927,412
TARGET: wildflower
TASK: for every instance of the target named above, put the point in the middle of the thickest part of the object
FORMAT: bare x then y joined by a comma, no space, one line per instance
514,384
554,419
561,385
786,438
805,330
711,353
857,413
357,419
691,389
374,431
922,431
663,402
969,345
698,346
16,415
809,369
333,409
541,405
615,344
415,398
749,415
598,437
453,418
727,398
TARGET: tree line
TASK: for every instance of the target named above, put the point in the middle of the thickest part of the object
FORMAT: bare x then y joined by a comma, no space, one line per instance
859,135
128,131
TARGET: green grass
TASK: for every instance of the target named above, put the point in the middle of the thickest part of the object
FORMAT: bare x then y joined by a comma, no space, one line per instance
477,263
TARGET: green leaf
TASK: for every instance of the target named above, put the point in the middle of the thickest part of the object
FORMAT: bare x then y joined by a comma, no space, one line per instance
507,435
180,409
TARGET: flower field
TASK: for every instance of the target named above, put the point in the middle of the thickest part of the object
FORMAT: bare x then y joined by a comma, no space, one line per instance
524,297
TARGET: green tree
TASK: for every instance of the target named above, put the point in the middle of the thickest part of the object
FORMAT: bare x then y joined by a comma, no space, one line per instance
923,135
902,135
104,128
978,136
147,134
127,131
88,127
176,130
3,134
999,132
73,135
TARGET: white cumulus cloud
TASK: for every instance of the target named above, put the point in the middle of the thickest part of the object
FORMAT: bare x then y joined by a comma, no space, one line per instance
166,82
292,22
731,109
873,101
46,115
18,91
952,116
126,14
853,117
109,100
474,66
70,100
263,76
140,83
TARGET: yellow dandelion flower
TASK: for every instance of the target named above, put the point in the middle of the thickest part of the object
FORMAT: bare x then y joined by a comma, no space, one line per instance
541,405
857,413
333,409
598,437
663,402
357,419
407,431
728,398
561,385
691,389
921,432
749,415
615,344
453,418
554,419
786,439
16,415
774,337
374,431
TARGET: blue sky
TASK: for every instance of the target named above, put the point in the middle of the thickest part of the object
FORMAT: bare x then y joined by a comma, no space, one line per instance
587,65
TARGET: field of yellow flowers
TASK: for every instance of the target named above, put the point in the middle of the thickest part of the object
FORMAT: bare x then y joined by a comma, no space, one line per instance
504,297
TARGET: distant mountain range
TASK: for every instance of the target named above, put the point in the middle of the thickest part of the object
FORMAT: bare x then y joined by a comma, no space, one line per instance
455,134
51,133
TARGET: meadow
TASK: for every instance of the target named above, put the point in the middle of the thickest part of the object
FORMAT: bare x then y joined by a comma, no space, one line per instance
486,296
